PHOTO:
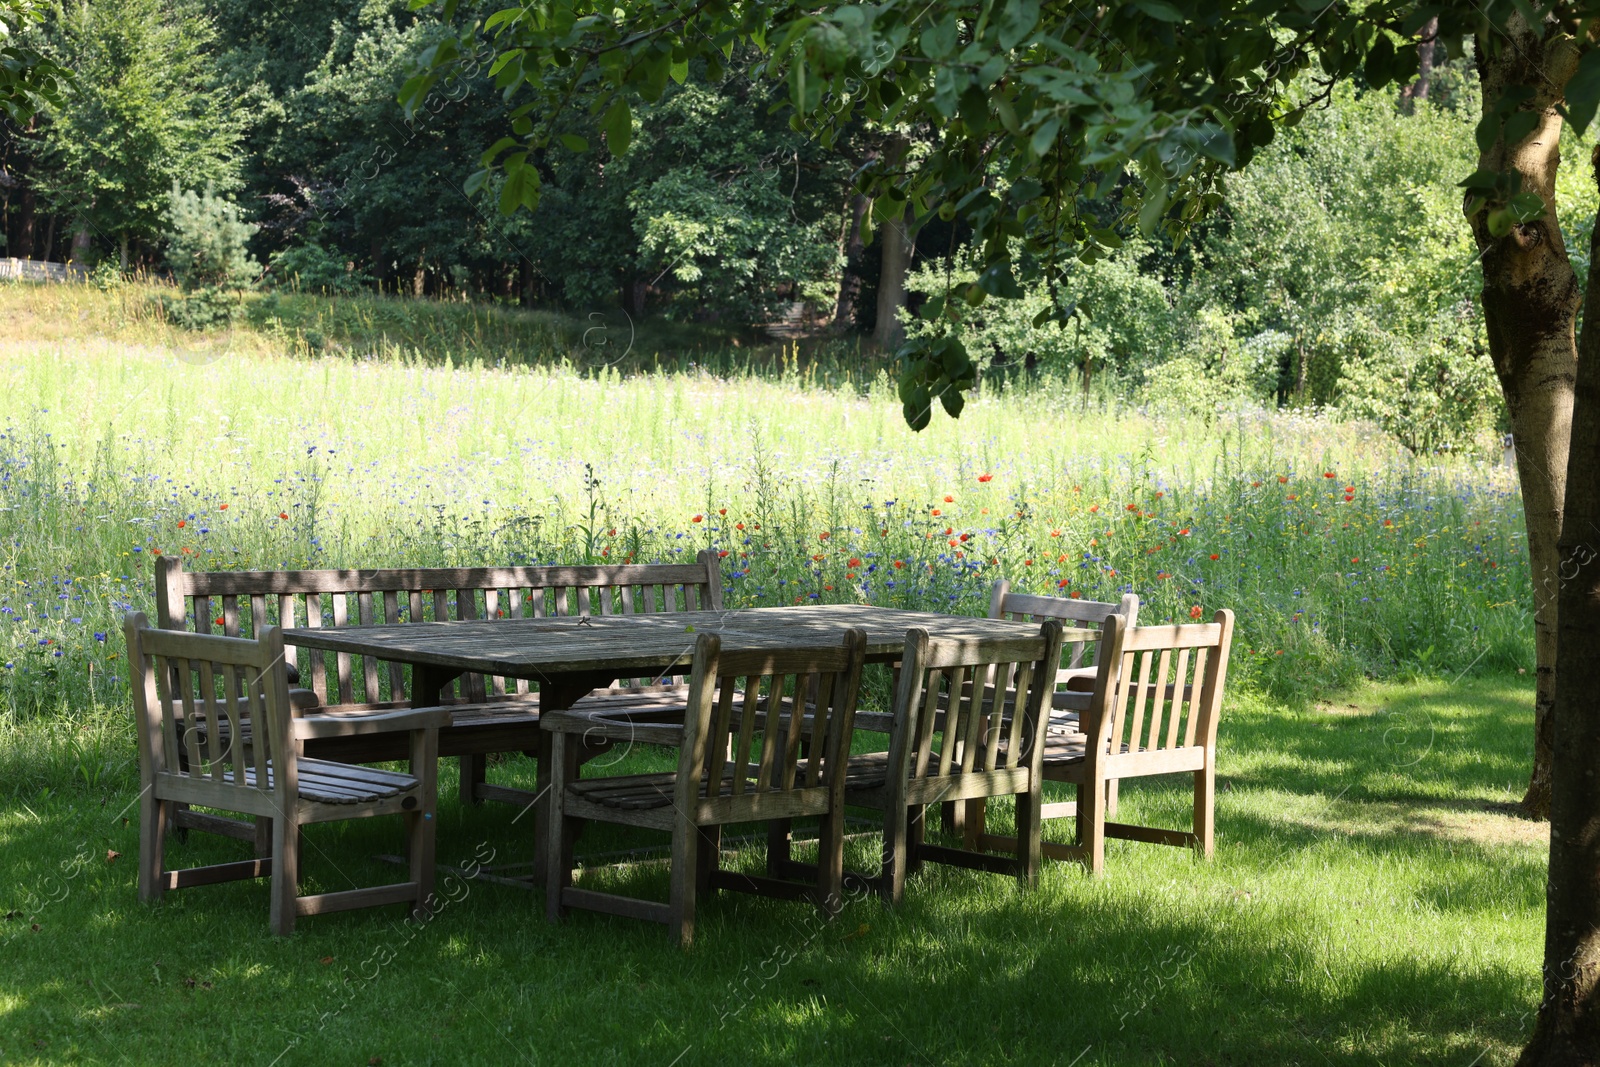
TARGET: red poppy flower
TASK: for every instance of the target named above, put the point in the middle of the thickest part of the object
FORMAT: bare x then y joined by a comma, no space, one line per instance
182,523
948,499
1194,612
1282,480
1328,474
898,564
697,518
1215,556
283,514
985,477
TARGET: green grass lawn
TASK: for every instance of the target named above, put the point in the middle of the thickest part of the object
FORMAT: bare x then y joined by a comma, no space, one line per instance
1372,901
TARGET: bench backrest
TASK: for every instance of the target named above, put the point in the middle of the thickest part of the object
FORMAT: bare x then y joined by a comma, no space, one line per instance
242,603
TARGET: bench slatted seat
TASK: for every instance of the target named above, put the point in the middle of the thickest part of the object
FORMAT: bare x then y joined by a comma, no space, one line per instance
489,714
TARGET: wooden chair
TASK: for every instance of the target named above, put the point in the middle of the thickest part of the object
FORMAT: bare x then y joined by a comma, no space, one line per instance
1155,710
957,734
744,755
222,688
1075,675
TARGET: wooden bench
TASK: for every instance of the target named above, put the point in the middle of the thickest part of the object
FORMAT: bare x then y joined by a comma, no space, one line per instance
488,714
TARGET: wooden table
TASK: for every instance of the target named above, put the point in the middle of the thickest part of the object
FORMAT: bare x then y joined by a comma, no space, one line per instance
572,655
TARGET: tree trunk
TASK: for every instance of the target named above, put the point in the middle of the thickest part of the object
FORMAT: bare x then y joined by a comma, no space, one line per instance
898,246
25,224
82,241
850,250
1530,298
1567,1031
419,278
1418,90
122,249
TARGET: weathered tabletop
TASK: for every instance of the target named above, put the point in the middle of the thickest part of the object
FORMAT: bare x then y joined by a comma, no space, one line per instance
571,655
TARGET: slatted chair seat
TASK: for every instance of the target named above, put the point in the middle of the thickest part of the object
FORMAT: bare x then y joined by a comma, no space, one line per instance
216,728
730,770
489,714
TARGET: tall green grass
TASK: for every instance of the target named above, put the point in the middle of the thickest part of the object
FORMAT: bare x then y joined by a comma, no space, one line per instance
1341,554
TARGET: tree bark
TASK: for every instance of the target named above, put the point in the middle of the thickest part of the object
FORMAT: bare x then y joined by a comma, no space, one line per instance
1567,1031
82,241
1530,300
898,246
1418,90
25,224
850,251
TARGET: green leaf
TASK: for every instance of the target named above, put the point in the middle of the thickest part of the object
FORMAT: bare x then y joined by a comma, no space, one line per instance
1519,126
679,71
618,125
1525,207
917,409
574,143
1017,19
1583,91
1481,179
1159,9
1155,205
1380,62
953,400
1499,222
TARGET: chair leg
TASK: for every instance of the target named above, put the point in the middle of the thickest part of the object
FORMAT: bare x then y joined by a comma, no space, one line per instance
474,772
892,880
685,866
916,833
1205,809
285,873
1092,825
976,820
1029,848
153,820
263,836
557,831
780,847
953,818
830,863
710,856
422,823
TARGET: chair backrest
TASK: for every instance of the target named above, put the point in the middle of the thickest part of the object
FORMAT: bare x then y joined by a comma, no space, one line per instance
766,716
242,603
972,707
1028,607
1159,688
183,680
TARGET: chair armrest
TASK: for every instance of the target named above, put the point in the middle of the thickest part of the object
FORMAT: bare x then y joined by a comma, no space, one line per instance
304,699
614,726
381,722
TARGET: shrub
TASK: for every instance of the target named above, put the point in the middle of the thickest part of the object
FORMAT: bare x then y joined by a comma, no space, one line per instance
314,269
206,245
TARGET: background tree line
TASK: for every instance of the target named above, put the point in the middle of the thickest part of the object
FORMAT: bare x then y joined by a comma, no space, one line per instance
1335,273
